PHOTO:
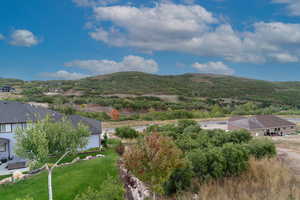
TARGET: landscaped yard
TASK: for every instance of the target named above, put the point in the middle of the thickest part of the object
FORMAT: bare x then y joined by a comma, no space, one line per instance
67,181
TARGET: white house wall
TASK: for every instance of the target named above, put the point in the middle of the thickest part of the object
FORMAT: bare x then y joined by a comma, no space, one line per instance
92,142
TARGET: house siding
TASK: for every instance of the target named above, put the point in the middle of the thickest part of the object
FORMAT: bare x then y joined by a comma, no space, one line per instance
93,142
286,130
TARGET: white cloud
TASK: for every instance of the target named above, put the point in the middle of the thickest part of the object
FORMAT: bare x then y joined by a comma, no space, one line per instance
24,38
285,57
129,63
293,6
93,3
214,68
64,75
2,37
193,29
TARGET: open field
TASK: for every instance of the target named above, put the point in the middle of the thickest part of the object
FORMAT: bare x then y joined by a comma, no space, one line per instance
145,123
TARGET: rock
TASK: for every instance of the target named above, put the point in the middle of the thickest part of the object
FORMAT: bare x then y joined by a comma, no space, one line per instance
100,156
88,158
6,180
17,175
195,197
75,160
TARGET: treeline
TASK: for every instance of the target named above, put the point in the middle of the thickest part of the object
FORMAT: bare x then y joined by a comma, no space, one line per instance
152,115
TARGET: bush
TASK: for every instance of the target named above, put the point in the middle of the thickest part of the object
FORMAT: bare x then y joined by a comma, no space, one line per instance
182,124
126,132
209,163
236,157
179,180
260,148
153,160
240,136
109,189
120,149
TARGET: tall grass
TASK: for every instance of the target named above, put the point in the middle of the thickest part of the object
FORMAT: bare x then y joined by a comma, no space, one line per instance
266,179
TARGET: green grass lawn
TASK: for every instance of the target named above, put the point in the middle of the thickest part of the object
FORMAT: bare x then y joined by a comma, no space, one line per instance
67,181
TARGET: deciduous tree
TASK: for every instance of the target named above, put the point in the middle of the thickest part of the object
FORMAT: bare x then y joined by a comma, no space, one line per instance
154,159
47,137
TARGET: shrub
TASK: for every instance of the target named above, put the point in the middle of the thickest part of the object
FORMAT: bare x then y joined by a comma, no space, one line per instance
109,189
236,157
240,136
126,132
186,143
209,163
192,130
105,140
266,179
260,148
180,180
120,149
182,124
153,160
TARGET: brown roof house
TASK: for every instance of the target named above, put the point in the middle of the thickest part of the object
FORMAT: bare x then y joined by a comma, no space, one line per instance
268,125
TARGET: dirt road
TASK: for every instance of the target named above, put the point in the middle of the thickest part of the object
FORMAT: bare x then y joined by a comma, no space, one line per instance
292,158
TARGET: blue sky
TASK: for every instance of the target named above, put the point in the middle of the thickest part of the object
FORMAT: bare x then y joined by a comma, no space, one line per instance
71,39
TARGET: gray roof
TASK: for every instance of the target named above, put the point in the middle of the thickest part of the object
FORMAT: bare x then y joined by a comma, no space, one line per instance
17,112
259,122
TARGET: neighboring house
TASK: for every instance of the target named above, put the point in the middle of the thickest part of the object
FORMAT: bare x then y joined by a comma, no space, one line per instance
7,89
14,115
268,125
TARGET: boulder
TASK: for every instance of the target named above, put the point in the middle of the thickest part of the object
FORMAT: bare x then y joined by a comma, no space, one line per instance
6,180
88,158
75,160
17,175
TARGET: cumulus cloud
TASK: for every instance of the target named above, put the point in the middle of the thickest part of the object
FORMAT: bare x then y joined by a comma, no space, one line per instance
293,6
214,68
64,75
24,38
193,29
129,63
2,37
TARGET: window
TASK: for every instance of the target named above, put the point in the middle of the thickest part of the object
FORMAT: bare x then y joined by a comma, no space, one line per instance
2,128
5,128
21,126
2,147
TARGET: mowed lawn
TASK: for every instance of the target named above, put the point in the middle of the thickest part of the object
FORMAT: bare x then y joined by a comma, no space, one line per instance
68,181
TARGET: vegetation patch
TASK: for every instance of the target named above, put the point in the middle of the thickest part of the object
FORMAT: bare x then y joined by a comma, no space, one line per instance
171,157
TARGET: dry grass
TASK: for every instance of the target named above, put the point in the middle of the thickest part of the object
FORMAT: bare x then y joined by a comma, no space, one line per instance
145,123
265,180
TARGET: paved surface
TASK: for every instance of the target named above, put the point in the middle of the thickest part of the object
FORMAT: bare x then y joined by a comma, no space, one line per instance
4,171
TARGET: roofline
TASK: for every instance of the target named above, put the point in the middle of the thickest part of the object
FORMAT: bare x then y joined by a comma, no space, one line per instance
262,128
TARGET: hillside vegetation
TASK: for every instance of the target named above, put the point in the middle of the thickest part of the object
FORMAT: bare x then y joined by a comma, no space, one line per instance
188,85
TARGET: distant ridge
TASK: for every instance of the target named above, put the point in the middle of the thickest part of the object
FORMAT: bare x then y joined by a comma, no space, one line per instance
189,85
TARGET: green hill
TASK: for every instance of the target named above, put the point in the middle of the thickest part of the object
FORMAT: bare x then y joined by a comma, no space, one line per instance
188,85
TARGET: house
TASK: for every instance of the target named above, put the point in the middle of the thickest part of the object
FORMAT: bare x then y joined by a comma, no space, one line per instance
7,89
268,125
14,115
